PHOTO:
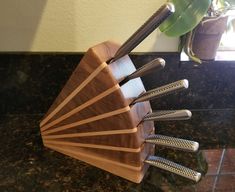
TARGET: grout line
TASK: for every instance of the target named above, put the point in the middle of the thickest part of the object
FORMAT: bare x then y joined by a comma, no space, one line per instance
215,174
228,173
219,169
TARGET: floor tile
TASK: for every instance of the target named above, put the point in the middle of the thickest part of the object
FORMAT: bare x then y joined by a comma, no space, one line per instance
229,161
213,158
206,184
225,183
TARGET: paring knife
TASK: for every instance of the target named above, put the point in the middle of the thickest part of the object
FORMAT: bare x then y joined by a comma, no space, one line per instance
172,142
161,91
153,65
173,167
152,23
168,115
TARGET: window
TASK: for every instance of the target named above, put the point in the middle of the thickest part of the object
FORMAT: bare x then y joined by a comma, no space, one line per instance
228,39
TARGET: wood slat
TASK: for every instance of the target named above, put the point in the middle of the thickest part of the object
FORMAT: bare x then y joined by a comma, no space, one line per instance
75,144
89,120
127,140
134,174
93,120
134,159
91,76
81,107
126,118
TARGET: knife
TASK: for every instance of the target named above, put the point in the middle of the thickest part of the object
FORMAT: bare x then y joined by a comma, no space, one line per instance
173,167
161,91
158,63
152,23
168,115
172,142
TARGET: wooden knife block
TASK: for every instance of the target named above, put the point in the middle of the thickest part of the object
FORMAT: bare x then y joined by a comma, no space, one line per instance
92,118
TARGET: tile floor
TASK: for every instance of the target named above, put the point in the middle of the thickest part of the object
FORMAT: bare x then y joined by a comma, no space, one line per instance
221,171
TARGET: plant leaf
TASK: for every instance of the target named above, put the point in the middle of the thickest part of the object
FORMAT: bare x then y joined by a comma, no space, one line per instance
188,13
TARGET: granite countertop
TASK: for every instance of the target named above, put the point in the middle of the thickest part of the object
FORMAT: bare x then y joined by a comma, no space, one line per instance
30,83
26,165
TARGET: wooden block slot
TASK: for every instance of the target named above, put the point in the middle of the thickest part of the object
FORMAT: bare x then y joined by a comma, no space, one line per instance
93,120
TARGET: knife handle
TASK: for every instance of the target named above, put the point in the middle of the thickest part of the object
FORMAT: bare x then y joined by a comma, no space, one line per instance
168,115
153,65
173,167
162,91
152,23
172,142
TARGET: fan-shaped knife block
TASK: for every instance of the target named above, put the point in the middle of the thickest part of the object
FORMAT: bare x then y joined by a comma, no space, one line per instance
92,118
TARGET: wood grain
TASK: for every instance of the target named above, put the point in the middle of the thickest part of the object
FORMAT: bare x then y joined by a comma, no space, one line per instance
131,158
95,106
89,65
93,120
134,174
127,140
81,107
126,118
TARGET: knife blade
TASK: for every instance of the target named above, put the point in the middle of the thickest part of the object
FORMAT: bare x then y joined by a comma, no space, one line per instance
162,91
168,115
173,167
153,65
152,23
172,142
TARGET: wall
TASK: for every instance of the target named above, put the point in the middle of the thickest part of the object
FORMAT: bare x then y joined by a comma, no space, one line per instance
75,25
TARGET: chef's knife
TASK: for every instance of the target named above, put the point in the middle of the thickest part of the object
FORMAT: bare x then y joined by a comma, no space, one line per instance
152,23
161,91
168,115
153,65
173,167
172,142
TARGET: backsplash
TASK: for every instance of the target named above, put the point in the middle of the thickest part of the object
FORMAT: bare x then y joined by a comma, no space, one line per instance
30,83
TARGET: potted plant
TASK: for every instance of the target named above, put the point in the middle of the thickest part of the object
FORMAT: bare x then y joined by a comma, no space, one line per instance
200,24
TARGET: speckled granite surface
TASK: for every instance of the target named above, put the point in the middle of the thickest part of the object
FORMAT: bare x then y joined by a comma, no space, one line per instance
25,79
213,129
30,83
27,166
